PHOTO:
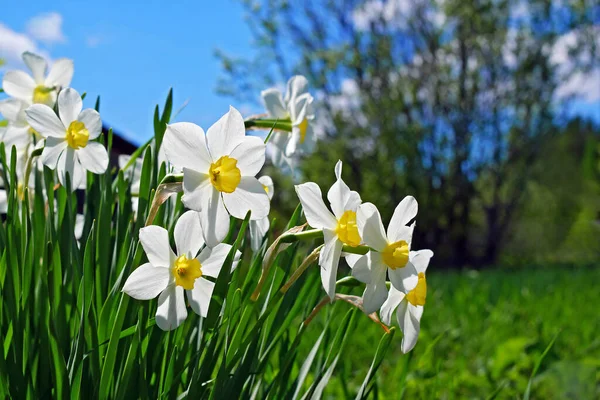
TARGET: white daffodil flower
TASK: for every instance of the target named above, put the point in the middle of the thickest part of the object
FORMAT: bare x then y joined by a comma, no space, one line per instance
297,108
259,228
339,227
69,147
38,88
23,147
219,171
171,273
392,255
410,305
18,129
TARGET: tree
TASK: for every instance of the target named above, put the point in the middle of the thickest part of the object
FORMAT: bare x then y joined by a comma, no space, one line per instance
449,101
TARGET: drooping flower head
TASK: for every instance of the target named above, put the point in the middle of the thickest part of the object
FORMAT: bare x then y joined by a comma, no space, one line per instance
170,273
297,108
69,144
42,86
259,228
219,171
409,305
339,227
391,256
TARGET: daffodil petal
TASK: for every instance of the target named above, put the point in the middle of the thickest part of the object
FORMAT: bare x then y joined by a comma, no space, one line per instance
214,218
394,298
301,108
171,311
420,259
155,241
188,234
10,109
184,144
60,74
18,84
69,105
197,189
250,155
267,183
93,157
296,86
199,296
370,226
37,65
274,103
212,259
225,134
374,295
43,119
258,230
146,282
92,121
404,212
248,196
68,163
52,151
329,260
409,324
317,214
404,279
341,197
360,267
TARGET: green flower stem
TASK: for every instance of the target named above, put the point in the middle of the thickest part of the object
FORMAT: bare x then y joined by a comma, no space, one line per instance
306,235
35,153
275,124
318,234
362,250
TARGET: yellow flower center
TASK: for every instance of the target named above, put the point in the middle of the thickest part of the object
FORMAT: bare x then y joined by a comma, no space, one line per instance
42,95
417,296
266,188
77,135
395,255
347,230
303,126
224,174
186,271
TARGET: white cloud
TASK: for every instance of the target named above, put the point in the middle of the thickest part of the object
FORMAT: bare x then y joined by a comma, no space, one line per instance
93,41
46,28
13,44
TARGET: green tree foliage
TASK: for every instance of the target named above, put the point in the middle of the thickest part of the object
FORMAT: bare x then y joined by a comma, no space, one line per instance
450,101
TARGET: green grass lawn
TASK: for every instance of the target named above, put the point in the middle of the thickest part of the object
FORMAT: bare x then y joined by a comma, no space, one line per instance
482,334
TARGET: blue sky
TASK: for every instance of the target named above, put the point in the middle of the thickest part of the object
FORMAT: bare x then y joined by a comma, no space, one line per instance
131,54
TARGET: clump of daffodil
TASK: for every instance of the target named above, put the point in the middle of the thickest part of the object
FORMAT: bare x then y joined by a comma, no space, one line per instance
390,256
169,273
219,171
296,109
409,305
42,86
339,228
69,146
259,228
